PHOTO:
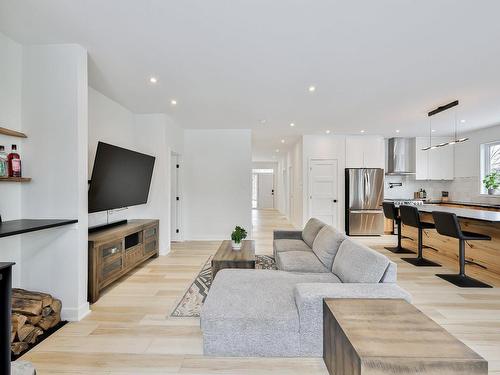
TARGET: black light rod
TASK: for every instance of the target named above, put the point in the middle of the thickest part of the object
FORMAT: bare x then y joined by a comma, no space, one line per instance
443,108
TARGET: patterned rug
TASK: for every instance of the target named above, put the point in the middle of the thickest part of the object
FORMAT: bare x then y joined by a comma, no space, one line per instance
191,302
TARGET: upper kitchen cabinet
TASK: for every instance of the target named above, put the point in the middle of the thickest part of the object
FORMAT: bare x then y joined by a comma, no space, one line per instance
365,152
434,164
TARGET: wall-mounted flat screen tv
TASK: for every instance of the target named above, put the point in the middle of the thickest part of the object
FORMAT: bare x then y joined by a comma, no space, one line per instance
120,178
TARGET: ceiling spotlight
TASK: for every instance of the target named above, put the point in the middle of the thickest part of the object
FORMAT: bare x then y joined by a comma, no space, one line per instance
173,102
433,130
282,141
277,150
462,121
327,131
153,79
362,131
292,124
263,122
397,131
312,88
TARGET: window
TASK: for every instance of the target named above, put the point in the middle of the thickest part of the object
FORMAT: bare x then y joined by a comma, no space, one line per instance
490,161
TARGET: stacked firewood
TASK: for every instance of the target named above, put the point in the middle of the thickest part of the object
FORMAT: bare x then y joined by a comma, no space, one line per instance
33,313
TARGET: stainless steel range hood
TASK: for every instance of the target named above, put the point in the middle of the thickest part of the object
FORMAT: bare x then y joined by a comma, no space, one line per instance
400,156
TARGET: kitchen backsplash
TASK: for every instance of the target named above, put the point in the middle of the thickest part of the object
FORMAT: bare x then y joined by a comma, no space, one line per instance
462,189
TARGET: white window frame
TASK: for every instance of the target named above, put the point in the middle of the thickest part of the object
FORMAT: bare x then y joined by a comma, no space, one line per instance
486,165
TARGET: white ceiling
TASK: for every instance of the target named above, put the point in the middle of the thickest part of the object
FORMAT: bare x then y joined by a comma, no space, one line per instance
377,65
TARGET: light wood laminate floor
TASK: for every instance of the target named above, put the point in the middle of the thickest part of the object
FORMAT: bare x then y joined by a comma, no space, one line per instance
130,332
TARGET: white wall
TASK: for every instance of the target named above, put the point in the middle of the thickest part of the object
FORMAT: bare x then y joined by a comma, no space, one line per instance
153,134
54,110
10,117
217,182
44,94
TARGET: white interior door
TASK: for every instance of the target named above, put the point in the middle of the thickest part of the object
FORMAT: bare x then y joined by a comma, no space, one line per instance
323,190
265,190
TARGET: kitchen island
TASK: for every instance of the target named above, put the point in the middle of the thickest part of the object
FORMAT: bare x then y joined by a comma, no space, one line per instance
483,257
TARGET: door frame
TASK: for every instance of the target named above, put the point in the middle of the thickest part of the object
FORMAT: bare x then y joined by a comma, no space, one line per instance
309,187
175,191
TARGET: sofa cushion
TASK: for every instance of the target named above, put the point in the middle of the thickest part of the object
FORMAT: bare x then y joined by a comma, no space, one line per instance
290,245
326,245
259,306
310,231
356,263
300,261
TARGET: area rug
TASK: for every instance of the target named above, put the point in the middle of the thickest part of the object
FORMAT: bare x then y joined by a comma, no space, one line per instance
191,302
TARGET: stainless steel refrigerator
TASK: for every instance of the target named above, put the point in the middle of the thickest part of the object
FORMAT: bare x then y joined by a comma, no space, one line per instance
364,189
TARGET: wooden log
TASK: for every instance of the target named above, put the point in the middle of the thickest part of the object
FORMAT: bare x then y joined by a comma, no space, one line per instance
18,347
46,311
18,321
45,298
56,305
25,331
34,319
31,338
49,321
28,307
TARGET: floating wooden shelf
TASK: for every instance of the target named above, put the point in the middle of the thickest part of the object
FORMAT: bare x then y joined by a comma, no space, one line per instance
15,179
12,133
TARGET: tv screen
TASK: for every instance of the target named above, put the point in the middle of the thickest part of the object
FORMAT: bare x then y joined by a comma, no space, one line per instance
120,178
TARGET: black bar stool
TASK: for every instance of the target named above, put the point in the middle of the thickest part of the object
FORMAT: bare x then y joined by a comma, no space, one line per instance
411,217
391,212
447,225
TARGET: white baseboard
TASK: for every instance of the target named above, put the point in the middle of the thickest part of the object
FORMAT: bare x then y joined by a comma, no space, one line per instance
74,315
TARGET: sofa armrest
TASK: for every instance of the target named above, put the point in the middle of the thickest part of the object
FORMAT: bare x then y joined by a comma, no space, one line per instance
287,235
309,300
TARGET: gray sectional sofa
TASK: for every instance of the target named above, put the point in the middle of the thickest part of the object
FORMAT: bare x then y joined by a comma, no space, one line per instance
279,313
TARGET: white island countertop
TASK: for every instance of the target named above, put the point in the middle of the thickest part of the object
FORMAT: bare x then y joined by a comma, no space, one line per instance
464,213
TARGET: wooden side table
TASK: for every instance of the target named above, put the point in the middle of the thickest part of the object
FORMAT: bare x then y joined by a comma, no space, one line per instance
226,257
391,336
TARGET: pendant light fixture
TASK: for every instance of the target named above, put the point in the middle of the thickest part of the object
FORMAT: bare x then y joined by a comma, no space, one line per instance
455,138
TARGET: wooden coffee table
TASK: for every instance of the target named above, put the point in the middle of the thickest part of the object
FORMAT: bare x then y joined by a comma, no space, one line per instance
384,336
226,257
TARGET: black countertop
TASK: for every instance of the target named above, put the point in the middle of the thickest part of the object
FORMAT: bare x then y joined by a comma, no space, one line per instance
464,213
13,227
4,265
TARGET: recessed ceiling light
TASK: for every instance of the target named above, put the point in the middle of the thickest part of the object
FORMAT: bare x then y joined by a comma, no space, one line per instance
433,130
277,150
362,131
173,102
282,141
263,122
397,131
312,88
292,124
153,79
327,131
463,121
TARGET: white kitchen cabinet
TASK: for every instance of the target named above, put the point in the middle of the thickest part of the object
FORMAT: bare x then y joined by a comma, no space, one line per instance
435,164
365,152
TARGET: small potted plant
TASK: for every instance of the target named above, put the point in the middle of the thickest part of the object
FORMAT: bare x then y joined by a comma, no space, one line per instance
491,182
237,236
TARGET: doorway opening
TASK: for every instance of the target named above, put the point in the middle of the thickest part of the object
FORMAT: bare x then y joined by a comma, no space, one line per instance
175,201
262,188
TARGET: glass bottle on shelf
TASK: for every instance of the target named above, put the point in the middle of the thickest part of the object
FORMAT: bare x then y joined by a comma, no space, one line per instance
14,161
4,164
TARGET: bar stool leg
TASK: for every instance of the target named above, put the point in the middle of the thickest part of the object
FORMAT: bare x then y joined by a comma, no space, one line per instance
399,249
420,261
461,279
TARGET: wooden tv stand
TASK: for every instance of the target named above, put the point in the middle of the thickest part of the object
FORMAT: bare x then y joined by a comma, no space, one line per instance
115,251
